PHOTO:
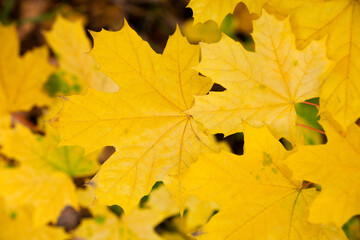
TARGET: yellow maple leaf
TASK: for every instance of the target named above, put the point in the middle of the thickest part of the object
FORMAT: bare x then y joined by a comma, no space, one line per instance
340,22
145,120
16,224
21,78
204,10
257,197
47,193
71,45
262,86
335,166
41,152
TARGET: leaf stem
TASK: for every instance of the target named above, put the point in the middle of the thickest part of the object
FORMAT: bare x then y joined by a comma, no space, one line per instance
312,104
314,129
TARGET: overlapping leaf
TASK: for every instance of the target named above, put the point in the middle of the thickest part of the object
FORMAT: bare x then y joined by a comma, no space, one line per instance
258,199
335,166
340,22
144,120
262,86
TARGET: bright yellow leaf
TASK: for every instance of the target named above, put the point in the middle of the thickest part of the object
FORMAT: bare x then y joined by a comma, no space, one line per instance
21,78
204,10
258,199
335,166
262,86
71,45
145,120
47,193
340,22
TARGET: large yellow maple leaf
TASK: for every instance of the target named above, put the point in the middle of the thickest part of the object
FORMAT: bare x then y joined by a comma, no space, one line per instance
21,78
145,120
257,197
340,22
71,45
335,166
261,86
204,10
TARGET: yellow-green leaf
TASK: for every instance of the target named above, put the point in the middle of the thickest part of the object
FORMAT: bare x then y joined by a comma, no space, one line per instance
41,152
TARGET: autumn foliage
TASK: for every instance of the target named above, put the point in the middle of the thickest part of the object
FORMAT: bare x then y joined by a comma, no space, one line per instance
293,92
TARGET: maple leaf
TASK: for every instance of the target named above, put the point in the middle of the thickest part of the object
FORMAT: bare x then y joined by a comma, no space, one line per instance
340,22
45,192
16,224
145,120
21,81
335,166
261,86
204,10
71,45
42,153
257,197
